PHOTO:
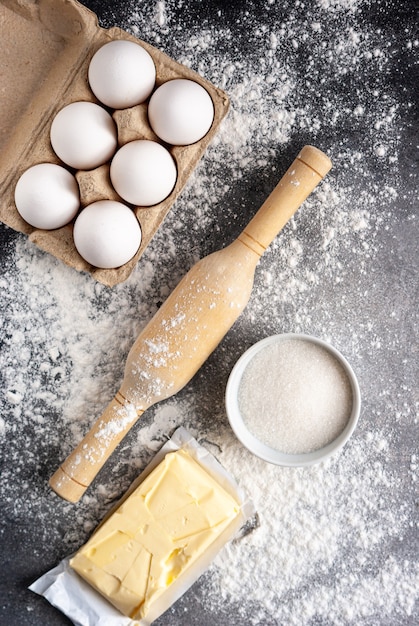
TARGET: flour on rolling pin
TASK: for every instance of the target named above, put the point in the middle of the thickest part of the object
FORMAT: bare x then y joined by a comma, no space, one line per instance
190,324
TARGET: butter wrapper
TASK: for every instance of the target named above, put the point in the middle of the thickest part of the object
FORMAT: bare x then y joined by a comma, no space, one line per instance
154,544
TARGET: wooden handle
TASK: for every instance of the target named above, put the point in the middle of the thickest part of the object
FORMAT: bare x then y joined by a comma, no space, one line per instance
307,170
72,478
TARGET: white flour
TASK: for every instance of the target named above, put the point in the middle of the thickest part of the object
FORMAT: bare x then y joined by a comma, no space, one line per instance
328,545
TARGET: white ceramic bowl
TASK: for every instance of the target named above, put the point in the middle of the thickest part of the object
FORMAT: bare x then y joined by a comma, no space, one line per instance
260,449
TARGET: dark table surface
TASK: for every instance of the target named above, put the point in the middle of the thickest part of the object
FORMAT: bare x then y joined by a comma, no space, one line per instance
332,544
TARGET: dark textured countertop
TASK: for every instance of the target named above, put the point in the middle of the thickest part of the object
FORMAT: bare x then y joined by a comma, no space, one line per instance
335,544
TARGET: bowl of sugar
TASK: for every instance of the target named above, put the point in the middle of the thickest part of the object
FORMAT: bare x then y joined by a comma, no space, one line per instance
292,400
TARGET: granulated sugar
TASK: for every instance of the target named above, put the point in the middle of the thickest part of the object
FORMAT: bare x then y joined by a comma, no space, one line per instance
294,396
331,544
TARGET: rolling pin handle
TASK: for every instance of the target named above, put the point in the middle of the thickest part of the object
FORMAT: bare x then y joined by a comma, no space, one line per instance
66,487
303,175
74,476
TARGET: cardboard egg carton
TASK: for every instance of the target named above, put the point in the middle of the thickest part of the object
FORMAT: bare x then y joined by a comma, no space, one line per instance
46,47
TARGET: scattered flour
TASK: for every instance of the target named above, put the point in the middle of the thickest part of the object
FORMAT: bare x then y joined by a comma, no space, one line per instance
331,544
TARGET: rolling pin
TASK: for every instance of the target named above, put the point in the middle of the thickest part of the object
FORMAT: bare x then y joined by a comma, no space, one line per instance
189,325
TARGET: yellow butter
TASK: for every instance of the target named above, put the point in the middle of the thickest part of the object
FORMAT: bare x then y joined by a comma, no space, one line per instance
157,533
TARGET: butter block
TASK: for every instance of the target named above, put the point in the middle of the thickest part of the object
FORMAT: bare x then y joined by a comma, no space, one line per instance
156,535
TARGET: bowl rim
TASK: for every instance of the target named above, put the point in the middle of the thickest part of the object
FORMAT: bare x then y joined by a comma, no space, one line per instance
262,450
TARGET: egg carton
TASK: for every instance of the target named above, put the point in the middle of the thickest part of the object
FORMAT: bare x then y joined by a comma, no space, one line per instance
46,47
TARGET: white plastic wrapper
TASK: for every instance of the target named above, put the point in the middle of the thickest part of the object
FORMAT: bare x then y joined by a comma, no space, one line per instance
82,604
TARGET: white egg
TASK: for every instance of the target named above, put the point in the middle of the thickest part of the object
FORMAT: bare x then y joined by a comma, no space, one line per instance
47,196
180,112
143,172
122,74
107,234
83,135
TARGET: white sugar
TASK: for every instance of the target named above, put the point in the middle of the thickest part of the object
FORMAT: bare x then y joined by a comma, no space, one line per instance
295,396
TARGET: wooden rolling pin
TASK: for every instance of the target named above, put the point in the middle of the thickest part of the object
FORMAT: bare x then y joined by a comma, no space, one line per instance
189,325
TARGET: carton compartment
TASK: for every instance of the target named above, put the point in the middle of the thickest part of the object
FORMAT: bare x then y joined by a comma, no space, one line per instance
46,47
